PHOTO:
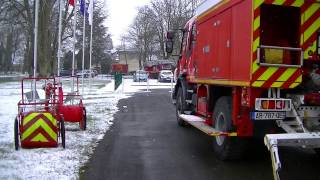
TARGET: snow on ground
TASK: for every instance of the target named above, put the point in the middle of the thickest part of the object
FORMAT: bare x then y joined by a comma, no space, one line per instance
58,163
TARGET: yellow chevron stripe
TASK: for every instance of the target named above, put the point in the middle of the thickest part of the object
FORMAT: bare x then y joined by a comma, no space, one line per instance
255,67
312,29
287,74
51,118
298,3
35,126
279,2
39,138
258,83
268,73
301,36
28,118
256,23
277,84
256,44
311,10
284,77
293,85
257,3
33,115
301,40
299,79
313,48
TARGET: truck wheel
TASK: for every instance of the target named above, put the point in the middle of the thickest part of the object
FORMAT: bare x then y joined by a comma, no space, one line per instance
16,134
226,148
180,107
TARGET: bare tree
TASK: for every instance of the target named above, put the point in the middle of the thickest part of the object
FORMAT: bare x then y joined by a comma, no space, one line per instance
147,33
142,34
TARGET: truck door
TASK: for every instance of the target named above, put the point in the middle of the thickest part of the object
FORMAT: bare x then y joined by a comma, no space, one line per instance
183,60
191,55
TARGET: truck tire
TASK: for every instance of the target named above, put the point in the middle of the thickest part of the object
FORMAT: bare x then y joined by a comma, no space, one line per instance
180,106
225,147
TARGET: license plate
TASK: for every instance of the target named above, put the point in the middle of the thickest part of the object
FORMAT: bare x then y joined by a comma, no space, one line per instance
268,115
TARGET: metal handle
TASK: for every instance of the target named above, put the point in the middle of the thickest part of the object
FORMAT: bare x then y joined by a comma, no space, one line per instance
281,48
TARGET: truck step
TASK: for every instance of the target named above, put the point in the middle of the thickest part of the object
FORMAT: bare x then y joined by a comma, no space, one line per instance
200,124
272,141
291,126
311,140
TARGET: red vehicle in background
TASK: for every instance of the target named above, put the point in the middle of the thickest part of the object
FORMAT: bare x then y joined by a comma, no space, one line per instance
251,68
119,68
154,67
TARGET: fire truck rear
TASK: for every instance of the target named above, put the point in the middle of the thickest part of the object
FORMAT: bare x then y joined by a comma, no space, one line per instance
251,68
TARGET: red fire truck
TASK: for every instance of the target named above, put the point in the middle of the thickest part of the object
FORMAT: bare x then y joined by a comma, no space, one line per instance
154,67
250,68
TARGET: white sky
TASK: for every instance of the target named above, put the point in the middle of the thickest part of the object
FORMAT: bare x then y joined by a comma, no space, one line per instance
121,14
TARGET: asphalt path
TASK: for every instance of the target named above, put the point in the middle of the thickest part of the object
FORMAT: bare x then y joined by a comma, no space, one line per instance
145,143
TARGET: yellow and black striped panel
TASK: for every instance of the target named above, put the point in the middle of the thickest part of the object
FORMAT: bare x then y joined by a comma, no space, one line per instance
282,77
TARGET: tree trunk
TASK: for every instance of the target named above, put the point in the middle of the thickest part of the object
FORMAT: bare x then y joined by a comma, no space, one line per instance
44,42
8,53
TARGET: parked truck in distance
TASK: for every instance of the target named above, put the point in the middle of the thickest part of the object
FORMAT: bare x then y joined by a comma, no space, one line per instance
251,68
119,68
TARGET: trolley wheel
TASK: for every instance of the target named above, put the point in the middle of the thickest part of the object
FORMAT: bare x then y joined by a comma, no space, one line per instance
63,133
16,134
83,122
225,147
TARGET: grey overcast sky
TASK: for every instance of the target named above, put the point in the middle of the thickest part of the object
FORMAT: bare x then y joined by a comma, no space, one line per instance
121,14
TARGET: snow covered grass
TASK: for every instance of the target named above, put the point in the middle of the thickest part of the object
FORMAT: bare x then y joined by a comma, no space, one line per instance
59,163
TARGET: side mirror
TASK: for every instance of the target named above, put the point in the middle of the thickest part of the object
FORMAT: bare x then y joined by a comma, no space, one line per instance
169,46
169,42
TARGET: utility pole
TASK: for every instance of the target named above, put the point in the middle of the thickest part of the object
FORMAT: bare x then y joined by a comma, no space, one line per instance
35,50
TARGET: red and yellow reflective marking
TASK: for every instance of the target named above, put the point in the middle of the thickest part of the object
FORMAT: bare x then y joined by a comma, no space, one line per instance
277,76
39,127
193,79
310,23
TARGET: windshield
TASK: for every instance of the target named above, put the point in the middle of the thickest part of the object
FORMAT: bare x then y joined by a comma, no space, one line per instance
167,73
141,72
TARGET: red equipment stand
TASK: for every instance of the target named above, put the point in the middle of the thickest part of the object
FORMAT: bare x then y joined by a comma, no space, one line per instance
38,123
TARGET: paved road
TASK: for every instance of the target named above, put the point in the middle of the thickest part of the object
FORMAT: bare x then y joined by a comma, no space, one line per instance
145,143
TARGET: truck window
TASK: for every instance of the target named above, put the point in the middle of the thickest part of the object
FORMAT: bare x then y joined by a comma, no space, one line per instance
279,34
193,36
184,40
191,40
